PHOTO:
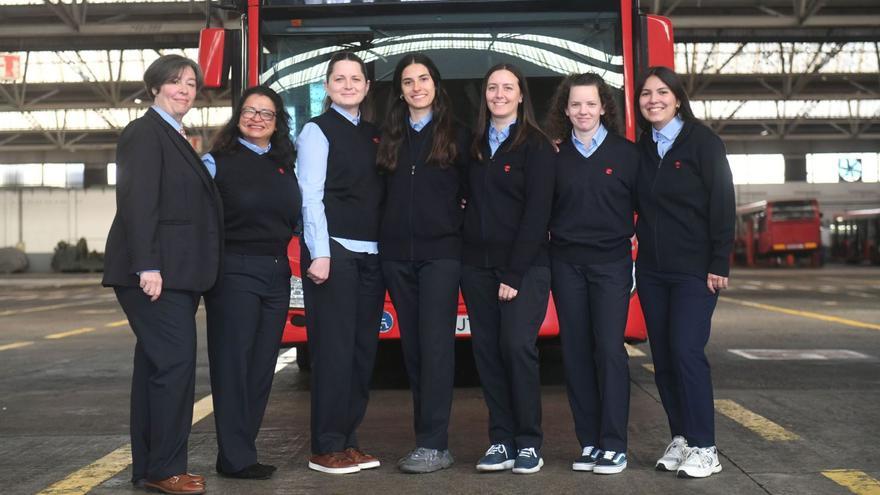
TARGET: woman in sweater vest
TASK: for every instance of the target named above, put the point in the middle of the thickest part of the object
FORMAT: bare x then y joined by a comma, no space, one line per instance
685,229
591,261
252,159
505,276
420,246
342,286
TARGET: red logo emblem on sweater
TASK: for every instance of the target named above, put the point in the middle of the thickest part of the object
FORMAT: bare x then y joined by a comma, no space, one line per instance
506,168
677,164
280,170
376,139
609,171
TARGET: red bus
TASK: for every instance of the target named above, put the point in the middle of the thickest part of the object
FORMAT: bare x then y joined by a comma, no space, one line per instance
286,44
855,236
778,232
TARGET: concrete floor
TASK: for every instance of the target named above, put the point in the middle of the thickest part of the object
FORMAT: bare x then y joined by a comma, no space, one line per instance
64,400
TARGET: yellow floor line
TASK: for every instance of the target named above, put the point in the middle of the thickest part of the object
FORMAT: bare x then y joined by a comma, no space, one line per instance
117,323
70,333
14,345
805,314
632,351
82,481
857,482
753,421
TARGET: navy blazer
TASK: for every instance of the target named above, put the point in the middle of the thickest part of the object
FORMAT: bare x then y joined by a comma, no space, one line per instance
169,215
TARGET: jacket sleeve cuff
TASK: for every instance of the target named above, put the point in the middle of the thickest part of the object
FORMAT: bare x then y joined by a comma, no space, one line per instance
511,278
720,266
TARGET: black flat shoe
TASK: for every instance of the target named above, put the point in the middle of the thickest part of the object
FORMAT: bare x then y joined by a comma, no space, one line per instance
253,472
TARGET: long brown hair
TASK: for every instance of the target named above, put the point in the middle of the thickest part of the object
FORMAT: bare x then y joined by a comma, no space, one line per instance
672,80
443,149
558,125
526,124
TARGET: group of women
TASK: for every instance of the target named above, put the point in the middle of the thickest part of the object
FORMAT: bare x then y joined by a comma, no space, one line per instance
423,207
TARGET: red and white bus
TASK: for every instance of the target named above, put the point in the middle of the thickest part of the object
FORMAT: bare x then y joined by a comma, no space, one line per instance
778,232
286,44
855,236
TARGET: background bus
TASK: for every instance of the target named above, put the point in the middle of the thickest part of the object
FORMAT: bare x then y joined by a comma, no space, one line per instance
286,44
778,233
855,236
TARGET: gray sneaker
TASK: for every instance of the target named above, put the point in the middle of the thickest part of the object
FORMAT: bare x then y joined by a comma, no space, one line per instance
422,460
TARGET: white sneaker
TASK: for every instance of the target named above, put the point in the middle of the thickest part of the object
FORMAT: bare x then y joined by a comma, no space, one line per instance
675,453
700,463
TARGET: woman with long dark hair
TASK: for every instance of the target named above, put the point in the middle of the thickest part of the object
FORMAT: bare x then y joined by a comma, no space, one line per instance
505,267
342,191
685,229
591,262
420,246
253,159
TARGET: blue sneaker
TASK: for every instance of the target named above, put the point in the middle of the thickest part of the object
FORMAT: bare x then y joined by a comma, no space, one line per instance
497,458
610,462
587,460
528,461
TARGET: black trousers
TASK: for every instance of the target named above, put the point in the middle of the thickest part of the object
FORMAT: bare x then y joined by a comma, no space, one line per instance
425,296
163,381
592,302
342,322
246,312
678,311
504,336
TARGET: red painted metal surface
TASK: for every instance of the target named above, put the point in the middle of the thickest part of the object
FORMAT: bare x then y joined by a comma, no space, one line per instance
212,42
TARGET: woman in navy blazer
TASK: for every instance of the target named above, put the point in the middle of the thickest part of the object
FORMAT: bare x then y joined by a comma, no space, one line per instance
162,253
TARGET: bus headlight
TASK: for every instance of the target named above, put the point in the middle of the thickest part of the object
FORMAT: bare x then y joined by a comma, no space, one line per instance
296,292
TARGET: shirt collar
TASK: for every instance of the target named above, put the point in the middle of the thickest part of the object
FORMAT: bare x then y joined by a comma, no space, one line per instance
501,135
595,141
167,118
253,147
354,120
418,126
670,131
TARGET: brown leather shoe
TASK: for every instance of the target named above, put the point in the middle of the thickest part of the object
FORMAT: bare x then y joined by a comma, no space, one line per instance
364,461
334,463
198,478
177,485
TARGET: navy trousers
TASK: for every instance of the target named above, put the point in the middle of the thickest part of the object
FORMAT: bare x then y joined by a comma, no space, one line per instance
504,336
592,303
678,311
342,322
425,296
163,381
246,312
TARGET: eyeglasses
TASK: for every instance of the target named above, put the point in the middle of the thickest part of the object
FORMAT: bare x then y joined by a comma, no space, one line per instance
250,113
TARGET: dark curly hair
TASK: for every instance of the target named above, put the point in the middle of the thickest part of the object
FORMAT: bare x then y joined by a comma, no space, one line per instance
226,139
558,126
443,149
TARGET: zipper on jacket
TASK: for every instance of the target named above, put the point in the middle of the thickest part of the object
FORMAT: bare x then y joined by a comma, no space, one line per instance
412,235
657,219
482,208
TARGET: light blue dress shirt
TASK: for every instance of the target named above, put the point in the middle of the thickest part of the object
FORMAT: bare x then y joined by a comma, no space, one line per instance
666,136
497,137
418,126
211,164
596,141
311,173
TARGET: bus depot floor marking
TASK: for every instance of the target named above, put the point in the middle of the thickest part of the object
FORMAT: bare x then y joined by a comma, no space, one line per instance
857,482
805,314
70,333
82,481
798,354
15,345
649,367
753,421
633,351
119,323
37,309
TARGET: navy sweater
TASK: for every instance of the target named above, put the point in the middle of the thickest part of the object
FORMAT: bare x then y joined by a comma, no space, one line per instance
594,202
686,204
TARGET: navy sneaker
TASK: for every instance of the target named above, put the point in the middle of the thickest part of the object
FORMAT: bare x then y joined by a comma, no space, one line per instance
610,462
587,460
497,458
528,461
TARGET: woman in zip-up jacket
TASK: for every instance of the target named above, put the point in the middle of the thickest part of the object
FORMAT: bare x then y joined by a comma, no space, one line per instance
505,277
591,264
420,246
685,229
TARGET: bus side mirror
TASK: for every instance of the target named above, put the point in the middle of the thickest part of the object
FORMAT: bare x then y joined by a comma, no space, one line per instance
212,57
661,42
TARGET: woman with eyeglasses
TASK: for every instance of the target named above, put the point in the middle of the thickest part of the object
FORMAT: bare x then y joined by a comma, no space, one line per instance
252,160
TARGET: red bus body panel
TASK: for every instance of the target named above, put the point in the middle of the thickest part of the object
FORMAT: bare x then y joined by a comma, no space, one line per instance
212,44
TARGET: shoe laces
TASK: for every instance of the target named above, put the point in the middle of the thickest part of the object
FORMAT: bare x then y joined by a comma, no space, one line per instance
588,451
421,453
704,456
529,452
609,454
497,448
678,447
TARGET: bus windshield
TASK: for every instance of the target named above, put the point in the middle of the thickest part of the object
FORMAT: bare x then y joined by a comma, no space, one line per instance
463,38
793,210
